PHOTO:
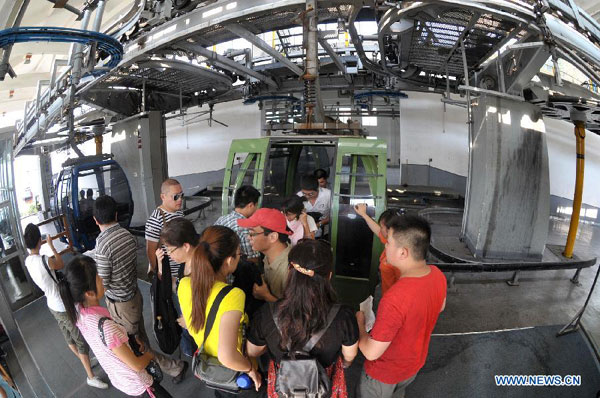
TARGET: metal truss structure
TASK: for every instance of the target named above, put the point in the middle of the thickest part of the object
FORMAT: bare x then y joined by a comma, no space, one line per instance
451,47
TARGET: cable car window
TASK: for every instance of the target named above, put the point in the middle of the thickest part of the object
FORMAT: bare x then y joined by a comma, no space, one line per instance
5,170
354,247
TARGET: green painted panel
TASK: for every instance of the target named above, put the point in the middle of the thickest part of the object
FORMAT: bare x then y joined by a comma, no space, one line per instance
255,148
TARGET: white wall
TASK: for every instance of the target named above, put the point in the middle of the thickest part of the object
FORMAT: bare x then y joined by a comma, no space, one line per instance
197,148
561,153
426,132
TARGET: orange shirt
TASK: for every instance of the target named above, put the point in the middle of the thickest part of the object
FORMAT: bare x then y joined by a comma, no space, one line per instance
389,273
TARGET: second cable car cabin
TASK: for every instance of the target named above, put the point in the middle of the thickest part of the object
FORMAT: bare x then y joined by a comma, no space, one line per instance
79,184
357,174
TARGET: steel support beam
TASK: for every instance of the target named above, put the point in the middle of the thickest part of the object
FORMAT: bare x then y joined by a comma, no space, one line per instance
263,45
63,4
334,57
4,64
219,60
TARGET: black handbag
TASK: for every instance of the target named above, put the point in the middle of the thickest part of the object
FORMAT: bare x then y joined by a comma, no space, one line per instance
208,368
152,368
166,329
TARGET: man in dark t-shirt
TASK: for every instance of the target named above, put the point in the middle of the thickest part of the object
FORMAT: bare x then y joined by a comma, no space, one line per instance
397,347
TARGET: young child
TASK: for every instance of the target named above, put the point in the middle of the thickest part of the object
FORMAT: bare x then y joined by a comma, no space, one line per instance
397,347
81,291
389,274
301,224
42,271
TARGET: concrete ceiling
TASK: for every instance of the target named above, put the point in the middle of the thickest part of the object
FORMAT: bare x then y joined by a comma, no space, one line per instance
42,13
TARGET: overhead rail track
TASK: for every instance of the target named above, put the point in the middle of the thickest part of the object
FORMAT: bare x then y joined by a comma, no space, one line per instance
25,34
439,44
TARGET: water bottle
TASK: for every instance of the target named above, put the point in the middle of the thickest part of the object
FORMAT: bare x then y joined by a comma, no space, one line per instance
244,381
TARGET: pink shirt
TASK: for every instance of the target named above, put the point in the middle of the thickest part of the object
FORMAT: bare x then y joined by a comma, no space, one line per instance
297,229
121,376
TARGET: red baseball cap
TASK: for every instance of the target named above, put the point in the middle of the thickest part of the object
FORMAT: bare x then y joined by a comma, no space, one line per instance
272,219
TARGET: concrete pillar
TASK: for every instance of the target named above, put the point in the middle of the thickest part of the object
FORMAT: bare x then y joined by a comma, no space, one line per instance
507,213
46,179
140,148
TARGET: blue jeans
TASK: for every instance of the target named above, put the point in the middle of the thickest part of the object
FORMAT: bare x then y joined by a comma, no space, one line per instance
187,345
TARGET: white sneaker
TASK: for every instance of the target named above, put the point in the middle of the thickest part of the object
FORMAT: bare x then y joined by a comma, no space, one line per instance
97,383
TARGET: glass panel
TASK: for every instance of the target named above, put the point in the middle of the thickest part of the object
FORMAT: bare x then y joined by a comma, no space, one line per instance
12,272
308,158
105,180
276,176
242,172
6,183
354,248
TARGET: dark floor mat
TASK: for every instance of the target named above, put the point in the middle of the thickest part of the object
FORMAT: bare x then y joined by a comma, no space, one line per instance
457,366
464,365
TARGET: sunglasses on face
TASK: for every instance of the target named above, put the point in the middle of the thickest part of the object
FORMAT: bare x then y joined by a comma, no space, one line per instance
178,196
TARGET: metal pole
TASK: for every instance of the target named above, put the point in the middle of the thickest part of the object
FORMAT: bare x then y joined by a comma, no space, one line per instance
463,230
76,60
96,28
580,148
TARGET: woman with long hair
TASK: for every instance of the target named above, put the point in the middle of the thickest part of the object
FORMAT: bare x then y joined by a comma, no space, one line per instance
303,312
81,290
180,239
213,260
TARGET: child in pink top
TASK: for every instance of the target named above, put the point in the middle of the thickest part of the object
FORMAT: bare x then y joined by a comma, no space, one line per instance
81,290
302,225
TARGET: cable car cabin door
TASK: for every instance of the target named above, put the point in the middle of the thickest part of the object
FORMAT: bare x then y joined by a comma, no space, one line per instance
360,177
245,166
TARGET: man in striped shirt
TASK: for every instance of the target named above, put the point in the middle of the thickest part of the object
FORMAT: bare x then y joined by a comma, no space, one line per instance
171,195
116,258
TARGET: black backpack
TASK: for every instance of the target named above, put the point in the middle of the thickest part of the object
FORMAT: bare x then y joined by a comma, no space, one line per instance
166,329
299,374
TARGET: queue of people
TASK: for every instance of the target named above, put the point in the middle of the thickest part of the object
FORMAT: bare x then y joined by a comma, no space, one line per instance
298,330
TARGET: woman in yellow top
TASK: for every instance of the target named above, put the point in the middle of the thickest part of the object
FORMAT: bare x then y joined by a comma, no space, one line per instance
215,257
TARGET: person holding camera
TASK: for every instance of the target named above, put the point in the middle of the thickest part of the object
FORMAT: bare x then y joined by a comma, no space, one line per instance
42,269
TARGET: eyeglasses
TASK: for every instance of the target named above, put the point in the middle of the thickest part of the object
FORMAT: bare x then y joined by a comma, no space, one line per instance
252,234
310,194
169,251
178,196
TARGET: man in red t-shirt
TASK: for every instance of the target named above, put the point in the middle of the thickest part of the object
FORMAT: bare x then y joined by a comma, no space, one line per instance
397,347
389,274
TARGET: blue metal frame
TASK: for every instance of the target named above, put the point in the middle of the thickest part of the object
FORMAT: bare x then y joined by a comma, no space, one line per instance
25,34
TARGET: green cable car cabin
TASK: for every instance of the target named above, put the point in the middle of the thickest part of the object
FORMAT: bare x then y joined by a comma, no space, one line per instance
357,174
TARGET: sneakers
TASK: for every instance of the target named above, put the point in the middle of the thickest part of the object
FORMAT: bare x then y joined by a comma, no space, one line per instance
179,378
97,383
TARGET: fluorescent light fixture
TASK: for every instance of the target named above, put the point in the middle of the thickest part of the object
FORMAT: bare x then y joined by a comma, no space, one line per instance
231,6
212,12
